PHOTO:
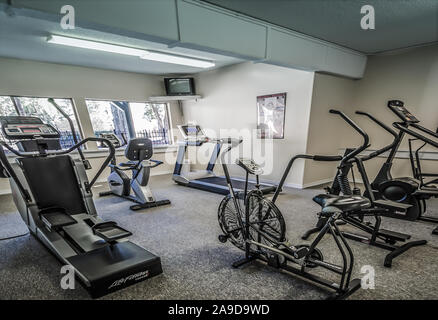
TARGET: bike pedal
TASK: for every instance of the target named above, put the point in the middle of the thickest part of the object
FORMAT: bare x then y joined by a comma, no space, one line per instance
301,252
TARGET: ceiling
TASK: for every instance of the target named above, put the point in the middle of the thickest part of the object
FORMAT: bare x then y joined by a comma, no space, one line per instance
399,23
25,38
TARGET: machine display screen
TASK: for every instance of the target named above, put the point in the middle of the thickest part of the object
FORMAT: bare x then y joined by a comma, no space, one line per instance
30,130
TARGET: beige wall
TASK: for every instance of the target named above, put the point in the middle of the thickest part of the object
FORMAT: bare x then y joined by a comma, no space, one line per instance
411,76
229,102
30,78
327,132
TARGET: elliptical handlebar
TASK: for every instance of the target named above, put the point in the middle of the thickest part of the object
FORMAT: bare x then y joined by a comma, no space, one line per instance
72,129
425,130
402,128
364,135
377,121
386,128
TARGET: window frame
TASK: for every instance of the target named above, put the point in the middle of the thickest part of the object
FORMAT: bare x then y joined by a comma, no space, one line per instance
129,117
77,122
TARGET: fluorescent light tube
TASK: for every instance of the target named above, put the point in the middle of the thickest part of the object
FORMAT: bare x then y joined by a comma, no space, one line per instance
93,45
162,57
143,54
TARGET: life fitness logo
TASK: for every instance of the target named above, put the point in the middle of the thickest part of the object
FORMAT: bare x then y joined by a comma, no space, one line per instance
133,277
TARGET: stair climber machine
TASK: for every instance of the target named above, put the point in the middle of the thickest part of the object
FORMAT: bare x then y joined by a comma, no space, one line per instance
53,195
136,189
378,237
207,180
255,225
407,190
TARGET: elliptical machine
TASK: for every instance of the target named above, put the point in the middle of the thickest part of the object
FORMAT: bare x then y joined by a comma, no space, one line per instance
54,197
377,236
136,189
255,224
407,190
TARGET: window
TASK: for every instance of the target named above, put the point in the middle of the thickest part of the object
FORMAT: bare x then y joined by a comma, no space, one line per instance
41,108
131,119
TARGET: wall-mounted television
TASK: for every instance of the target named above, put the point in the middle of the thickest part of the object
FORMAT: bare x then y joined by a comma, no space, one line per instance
180,86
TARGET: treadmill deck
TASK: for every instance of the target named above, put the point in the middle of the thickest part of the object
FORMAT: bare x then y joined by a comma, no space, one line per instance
219,185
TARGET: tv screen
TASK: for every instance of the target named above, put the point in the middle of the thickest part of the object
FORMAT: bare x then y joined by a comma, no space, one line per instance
179,86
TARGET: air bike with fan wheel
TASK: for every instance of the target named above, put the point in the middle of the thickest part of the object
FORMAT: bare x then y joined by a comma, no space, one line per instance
54,197
255,224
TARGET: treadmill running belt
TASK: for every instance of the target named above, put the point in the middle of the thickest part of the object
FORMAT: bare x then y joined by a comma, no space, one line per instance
219,185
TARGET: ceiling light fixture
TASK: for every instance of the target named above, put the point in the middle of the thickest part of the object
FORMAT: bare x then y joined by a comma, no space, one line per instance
143,54
163,57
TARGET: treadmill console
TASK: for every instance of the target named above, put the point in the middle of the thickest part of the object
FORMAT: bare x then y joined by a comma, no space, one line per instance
193,134
249,166
18,127
398,108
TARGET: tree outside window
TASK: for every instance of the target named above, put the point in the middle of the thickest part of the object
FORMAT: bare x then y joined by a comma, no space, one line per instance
43,109
131,119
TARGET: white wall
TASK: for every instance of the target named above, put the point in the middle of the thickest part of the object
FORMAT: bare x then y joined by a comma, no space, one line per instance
229,102
30,78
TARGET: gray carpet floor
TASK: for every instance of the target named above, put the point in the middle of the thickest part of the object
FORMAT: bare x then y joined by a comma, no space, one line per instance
197,266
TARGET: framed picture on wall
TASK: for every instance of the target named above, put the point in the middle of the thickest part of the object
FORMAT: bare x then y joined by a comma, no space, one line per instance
270,116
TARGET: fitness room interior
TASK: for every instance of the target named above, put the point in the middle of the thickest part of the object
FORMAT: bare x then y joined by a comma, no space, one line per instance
206,153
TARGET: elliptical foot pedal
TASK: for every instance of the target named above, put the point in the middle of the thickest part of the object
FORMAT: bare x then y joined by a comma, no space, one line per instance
56,218
392,205
110,231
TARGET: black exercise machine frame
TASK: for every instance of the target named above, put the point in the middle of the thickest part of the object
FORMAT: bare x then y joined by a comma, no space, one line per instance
346,285
379,207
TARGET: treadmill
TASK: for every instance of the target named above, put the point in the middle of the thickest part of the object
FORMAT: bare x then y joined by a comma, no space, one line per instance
206,179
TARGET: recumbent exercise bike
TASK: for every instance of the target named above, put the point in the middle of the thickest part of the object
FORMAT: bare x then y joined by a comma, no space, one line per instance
139,152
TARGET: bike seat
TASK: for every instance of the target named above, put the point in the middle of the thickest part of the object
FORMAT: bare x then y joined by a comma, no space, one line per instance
124,166
343,203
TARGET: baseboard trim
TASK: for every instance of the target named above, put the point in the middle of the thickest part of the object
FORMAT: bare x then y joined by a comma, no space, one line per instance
308,185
